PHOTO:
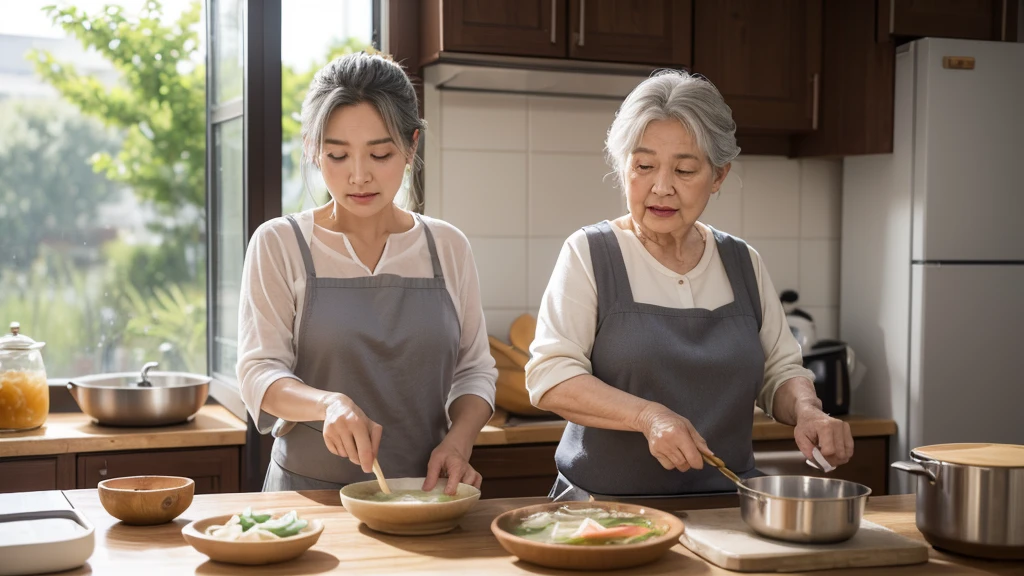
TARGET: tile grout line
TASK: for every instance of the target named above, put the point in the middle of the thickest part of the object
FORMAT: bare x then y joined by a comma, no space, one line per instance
529,171
800,224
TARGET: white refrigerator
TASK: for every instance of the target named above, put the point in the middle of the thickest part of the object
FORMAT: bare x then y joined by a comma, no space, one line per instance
932,261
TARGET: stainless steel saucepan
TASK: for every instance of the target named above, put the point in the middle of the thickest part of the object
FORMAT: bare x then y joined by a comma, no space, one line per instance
140,398
802,509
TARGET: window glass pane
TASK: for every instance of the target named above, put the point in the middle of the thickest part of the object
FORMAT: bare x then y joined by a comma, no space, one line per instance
228,26
228,142
307,44
102,196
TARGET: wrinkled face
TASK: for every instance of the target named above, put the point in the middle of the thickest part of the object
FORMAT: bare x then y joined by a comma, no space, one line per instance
669,179
361,164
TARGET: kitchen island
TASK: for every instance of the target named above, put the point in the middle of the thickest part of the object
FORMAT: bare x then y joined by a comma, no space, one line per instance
348,547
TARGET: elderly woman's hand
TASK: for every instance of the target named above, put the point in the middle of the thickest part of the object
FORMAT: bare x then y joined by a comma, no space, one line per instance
831,436
672,439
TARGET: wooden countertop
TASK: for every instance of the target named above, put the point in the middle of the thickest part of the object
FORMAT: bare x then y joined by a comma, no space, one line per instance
498,432
348,547
73,432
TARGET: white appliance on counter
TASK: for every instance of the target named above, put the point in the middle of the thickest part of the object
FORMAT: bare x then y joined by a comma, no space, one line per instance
932,273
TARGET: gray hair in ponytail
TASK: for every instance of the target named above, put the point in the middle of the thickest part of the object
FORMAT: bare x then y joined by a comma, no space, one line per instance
355,79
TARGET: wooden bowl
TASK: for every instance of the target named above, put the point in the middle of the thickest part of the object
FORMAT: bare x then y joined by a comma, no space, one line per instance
575,557
249,553
146,500
408,518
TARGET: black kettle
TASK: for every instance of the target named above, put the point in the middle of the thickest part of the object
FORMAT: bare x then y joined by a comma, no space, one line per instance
832,363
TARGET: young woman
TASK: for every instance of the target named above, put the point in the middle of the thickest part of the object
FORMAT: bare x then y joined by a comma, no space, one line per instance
359,320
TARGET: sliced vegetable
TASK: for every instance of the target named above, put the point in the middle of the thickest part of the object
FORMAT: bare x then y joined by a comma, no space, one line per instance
250,526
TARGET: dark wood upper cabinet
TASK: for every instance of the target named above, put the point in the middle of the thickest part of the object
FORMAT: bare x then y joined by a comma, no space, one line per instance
654,32
507,27
971,19
765,58
857,86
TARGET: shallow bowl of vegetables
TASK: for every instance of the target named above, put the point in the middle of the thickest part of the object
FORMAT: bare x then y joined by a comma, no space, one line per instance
408,510
587,535
253,537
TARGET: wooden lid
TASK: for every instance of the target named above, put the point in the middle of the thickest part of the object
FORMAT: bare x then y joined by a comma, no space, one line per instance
988,455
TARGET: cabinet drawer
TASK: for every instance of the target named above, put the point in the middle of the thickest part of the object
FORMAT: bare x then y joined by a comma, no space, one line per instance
515,471
869,465
28,475
31,474
214,470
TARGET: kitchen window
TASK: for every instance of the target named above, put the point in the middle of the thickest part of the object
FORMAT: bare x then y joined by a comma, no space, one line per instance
102,198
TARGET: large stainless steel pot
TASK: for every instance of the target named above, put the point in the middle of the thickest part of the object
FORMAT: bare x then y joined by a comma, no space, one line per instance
970,505
803,508
146,399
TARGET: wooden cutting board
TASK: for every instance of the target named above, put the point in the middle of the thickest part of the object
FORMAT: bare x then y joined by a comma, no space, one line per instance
722,538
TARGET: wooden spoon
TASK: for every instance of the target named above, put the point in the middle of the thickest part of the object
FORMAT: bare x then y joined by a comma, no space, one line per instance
717,463
380,477
522,331
517,357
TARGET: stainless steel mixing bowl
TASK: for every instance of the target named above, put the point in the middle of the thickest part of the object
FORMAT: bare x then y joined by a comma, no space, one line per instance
803,508
146,399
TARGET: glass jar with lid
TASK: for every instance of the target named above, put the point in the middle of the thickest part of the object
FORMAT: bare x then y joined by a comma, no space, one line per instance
24,395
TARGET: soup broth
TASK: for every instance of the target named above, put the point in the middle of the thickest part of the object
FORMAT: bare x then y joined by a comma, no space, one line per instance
587,527
410,496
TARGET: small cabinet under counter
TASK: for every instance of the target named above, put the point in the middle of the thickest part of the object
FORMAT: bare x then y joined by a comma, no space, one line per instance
69,452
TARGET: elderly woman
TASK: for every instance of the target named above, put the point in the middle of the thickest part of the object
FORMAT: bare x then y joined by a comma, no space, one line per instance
658,333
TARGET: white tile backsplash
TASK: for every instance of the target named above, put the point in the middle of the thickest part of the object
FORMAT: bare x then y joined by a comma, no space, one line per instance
725,211
820,199
569,125
499,319
569,191
475,121
484,193
771,198
542,253
826,321
819,272
521,173
501,265
782,259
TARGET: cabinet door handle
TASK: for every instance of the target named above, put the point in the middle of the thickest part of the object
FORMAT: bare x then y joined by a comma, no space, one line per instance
1002,33
583,21
815,96
103,471
554,18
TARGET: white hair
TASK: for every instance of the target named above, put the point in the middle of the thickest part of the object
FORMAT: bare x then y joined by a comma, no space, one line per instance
670,94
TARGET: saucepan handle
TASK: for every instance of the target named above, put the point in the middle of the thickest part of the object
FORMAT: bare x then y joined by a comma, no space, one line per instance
916,469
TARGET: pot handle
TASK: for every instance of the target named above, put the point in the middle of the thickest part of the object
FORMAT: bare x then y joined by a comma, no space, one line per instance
915,468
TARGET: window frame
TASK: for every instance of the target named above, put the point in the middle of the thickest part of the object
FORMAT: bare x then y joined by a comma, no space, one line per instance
262,178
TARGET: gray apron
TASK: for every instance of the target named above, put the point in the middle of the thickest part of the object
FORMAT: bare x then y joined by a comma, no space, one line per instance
706,365
390,344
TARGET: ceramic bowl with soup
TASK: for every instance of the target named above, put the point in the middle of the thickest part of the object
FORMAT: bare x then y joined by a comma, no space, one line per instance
408,510
587,535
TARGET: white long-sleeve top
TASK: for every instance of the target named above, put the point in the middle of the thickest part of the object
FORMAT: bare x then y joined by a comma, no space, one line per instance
274,288
567,322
